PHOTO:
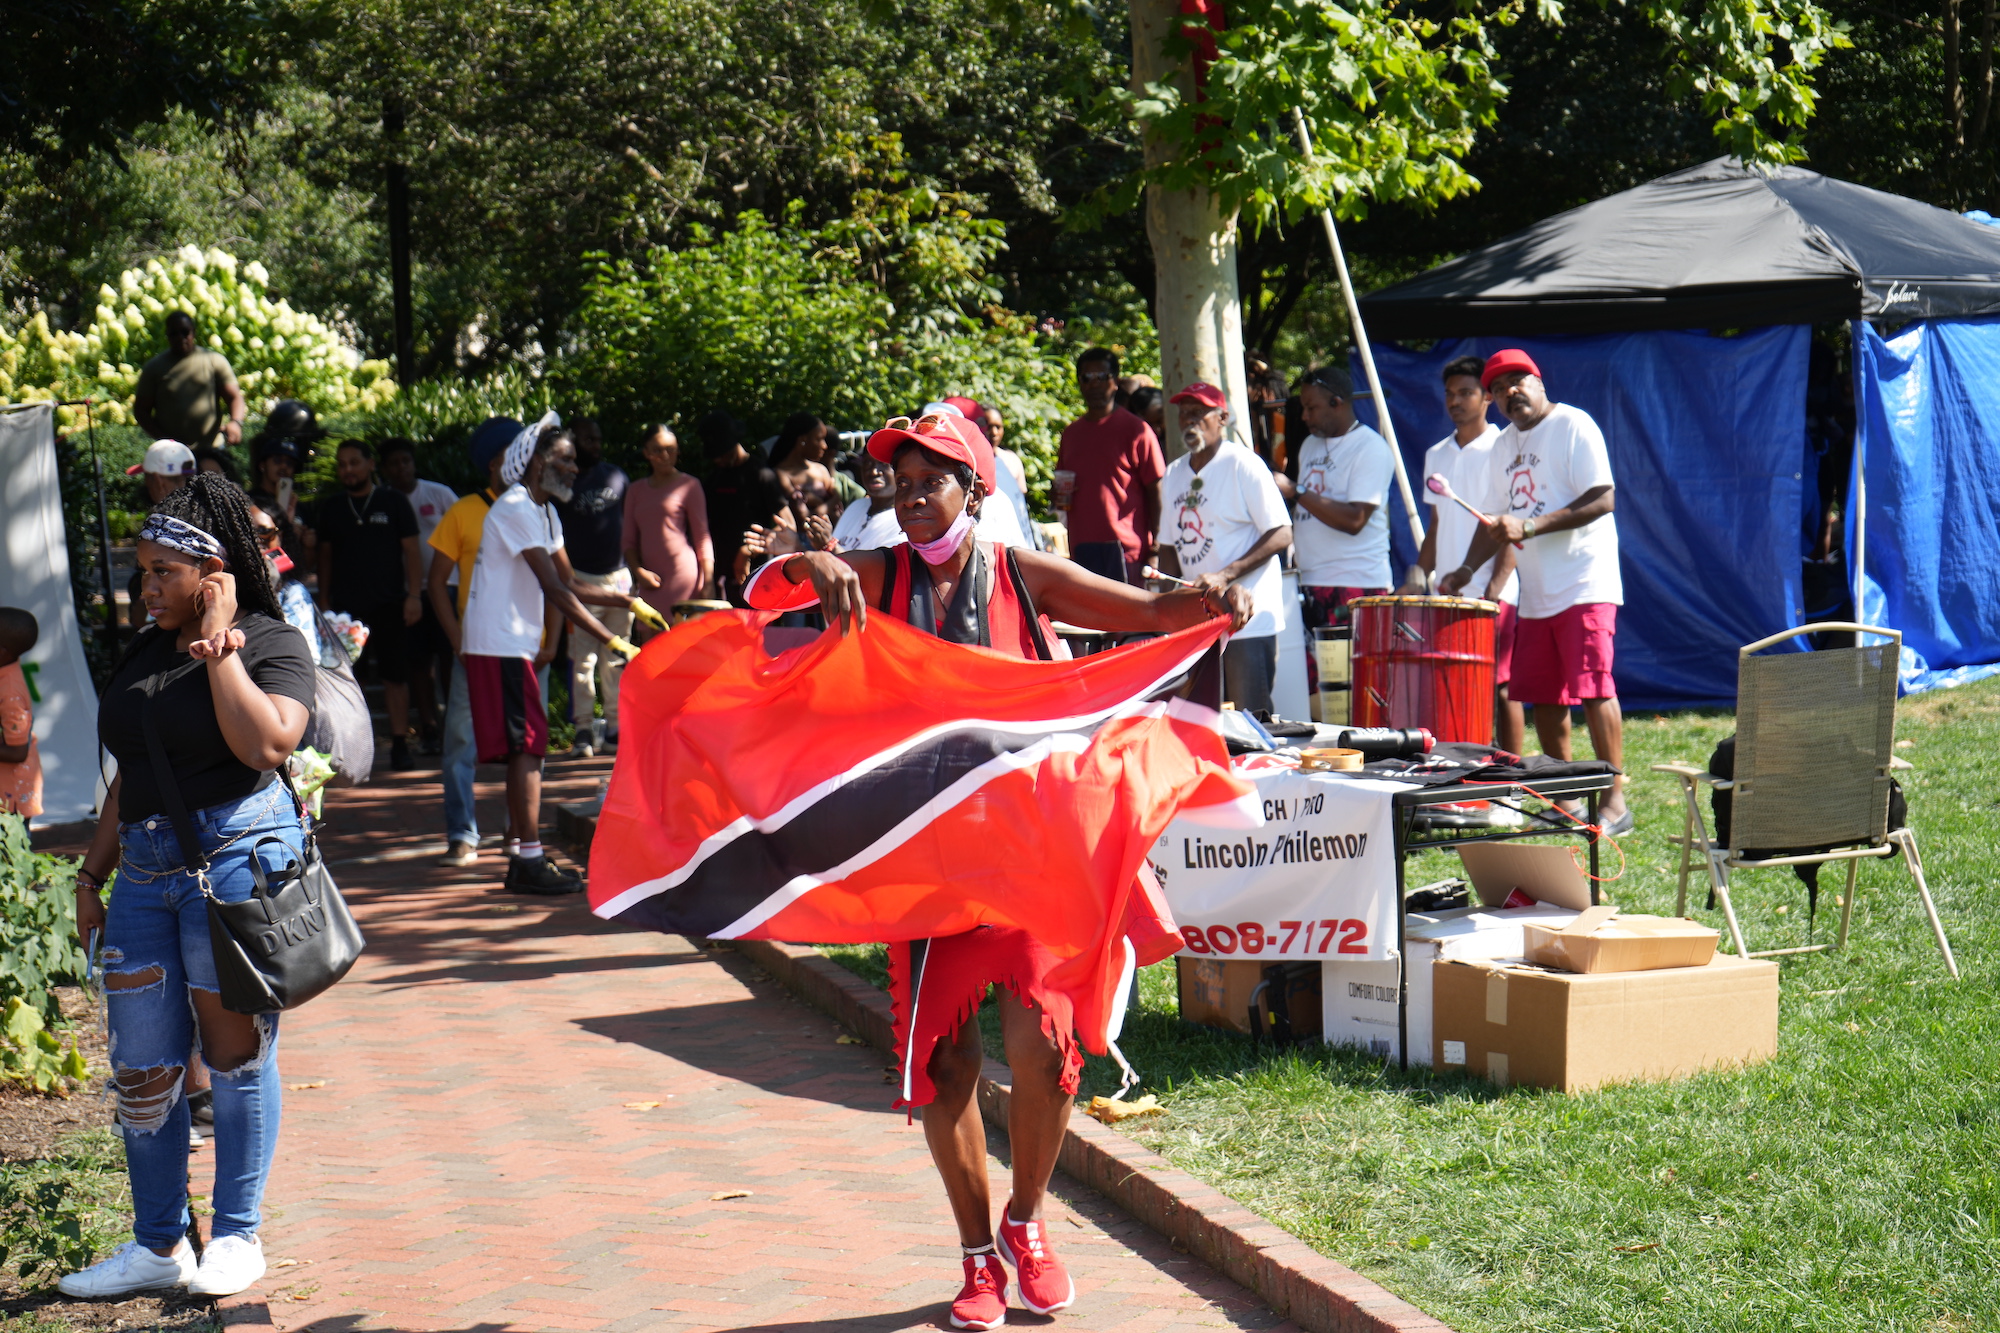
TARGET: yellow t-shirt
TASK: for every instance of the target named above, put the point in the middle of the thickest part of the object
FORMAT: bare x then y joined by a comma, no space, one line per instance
457,535
20,784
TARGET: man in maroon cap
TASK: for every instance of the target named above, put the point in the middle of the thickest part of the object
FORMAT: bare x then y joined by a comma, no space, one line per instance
1228,526
1113,501
1554,480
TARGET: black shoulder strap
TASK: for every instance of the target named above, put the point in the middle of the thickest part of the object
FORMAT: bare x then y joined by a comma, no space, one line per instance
892,556
1042,649
163,770
170,787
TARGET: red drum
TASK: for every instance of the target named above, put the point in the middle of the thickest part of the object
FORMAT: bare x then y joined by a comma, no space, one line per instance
1425,662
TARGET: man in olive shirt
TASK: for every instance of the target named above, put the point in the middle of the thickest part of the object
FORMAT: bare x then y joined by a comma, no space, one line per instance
188,393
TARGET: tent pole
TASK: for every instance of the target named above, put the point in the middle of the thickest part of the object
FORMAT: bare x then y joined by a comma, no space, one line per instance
1858,493
1361,345
1860,526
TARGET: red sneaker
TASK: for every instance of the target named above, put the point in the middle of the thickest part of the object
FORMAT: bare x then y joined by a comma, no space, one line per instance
1045,1284
982,1301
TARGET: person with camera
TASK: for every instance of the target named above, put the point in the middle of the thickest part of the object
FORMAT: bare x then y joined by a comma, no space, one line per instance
203,708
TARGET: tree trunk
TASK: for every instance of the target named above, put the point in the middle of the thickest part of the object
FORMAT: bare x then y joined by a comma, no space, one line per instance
1954,88
1985,104
1198,309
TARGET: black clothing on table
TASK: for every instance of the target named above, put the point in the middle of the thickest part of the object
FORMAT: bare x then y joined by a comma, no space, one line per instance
593,520
275,655
1456,761
366,535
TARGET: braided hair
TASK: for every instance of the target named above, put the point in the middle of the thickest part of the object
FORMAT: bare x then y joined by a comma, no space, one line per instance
219,508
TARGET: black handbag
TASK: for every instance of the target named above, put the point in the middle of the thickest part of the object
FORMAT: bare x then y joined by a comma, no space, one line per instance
293,937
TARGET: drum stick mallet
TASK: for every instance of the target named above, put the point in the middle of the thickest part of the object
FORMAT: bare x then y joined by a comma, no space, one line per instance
1439,486
1149,572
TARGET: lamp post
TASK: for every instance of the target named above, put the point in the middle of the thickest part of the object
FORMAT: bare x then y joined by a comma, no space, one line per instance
103,521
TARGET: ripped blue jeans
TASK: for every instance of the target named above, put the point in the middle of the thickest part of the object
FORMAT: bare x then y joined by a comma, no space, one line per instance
156,950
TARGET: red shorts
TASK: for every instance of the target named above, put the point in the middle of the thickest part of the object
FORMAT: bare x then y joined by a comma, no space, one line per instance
1504,626
1565,658
935,986
506,701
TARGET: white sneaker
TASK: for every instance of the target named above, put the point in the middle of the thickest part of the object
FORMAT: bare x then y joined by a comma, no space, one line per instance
129,1269
228,1265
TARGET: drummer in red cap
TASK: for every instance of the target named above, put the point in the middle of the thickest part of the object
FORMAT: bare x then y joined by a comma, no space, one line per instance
949,583
1553,475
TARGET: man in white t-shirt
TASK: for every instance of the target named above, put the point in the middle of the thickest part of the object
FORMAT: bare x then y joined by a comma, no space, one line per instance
1464,459
1554,495
515,568
1342,533
1227,524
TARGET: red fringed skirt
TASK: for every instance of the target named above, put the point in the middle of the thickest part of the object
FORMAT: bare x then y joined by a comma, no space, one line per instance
936,986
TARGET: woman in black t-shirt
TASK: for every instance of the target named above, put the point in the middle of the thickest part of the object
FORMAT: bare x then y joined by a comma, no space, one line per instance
226,687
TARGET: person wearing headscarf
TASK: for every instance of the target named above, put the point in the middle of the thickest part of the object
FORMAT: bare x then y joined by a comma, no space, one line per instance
204,706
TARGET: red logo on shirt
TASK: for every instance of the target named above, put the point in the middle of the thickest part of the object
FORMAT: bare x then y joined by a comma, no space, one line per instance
1191,535
1521,491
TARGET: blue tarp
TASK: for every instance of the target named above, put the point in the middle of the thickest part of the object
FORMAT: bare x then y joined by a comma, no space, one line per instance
1706,436
1930,458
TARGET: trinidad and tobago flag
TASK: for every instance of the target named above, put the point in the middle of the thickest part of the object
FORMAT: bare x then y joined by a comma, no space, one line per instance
891,786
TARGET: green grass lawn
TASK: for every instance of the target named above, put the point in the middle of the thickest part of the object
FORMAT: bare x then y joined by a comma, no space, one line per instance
1852,1183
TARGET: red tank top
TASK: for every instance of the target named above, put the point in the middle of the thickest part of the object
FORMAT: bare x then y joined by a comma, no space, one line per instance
1002,607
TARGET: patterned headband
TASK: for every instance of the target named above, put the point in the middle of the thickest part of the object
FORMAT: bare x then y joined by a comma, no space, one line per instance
522,451
170,532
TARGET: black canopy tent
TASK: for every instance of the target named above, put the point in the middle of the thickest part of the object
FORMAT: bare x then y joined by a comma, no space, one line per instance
1715,246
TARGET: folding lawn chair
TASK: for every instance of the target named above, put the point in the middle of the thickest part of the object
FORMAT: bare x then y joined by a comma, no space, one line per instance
1814,738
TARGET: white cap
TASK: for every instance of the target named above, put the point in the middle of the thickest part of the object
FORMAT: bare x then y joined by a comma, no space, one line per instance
166,458
940,410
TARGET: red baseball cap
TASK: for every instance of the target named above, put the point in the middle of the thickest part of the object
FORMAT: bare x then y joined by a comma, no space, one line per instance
943,434
1505,362
1201,392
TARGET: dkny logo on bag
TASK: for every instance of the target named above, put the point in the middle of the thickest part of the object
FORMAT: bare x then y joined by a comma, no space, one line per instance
292,931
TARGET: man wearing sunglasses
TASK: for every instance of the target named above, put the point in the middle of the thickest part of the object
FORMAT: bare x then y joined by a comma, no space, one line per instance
1108,472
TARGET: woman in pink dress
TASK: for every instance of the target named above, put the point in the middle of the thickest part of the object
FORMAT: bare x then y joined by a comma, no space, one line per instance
666,540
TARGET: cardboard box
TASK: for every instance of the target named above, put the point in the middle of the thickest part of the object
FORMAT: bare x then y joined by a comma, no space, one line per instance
1360,997
1600,940
1216,993
1514,1023
1545,871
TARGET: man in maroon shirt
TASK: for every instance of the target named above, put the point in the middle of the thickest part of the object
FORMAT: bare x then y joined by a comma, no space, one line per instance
1114,505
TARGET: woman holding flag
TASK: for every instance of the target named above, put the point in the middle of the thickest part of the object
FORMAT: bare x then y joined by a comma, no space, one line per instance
946,583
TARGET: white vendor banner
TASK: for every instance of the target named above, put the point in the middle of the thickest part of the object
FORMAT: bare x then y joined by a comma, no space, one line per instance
34,575
1317,881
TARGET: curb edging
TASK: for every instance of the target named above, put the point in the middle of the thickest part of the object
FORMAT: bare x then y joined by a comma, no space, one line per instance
1318,1294
1296,1281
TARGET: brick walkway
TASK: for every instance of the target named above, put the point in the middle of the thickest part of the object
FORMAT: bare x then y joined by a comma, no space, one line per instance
476,1147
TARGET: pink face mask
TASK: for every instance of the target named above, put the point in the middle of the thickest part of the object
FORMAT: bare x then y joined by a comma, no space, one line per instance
941,550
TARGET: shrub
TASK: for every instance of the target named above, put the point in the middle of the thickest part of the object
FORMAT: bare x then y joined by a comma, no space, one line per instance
276,351
868,317
38,944
38,952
